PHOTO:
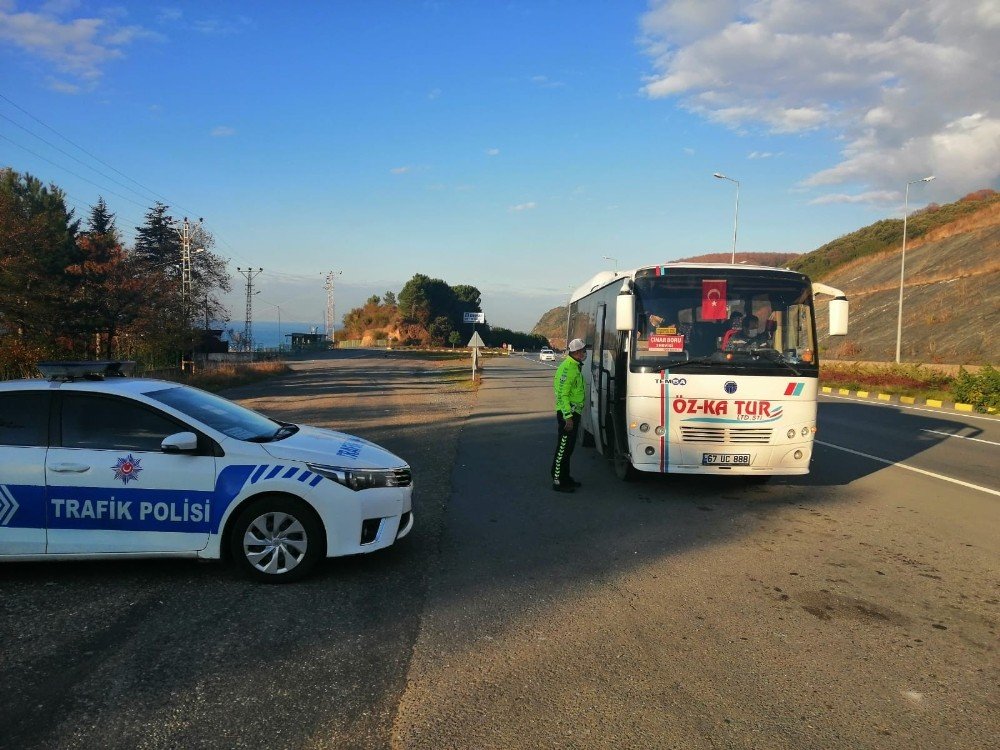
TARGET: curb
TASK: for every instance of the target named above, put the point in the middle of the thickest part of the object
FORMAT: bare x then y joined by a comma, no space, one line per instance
910,400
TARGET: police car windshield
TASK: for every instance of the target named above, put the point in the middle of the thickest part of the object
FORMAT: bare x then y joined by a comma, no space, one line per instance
213,411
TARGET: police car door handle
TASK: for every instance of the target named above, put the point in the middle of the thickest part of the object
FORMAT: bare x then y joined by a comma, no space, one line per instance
70,468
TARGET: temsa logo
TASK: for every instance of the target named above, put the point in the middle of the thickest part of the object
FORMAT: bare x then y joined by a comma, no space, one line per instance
713,406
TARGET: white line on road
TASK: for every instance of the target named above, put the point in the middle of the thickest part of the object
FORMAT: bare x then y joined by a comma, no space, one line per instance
911,468
964,437
938,412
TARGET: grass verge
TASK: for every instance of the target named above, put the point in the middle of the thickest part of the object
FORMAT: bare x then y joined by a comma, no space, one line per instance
982,390
231,376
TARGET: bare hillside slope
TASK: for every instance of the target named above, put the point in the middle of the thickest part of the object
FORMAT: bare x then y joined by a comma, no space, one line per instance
951,301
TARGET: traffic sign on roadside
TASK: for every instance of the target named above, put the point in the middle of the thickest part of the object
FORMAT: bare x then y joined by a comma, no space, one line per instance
474,317
476,341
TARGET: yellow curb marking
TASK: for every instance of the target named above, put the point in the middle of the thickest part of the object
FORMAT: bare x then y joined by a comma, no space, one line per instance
907,400
934,402
843,392
827,389
884,397
863,394
963,407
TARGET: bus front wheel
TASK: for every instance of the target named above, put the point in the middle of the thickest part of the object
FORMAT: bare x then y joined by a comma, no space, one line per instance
623,466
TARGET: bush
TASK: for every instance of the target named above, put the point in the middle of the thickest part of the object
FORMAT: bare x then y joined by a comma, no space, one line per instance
981,390
18,359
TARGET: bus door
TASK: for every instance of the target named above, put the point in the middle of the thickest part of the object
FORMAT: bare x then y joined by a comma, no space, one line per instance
600,377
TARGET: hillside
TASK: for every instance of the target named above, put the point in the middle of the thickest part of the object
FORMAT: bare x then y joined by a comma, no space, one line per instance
775,260
552,325
888,235
951,304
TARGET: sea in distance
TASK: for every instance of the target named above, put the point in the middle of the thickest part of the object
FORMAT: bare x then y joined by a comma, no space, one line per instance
267,334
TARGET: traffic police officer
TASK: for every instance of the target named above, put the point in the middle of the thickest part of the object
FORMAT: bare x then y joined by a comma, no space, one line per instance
568,385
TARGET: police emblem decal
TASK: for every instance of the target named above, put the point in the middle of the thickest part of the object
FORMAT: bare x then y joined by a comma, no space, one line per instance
127,469
730,386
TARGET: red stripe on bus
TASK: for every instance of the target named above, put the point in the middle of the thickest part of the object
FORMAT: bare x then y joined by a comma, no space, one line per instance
663,417
790,389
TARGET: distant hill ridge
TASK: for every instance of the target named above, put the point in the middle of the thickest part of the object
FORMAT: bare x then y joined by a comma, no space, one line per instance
887,234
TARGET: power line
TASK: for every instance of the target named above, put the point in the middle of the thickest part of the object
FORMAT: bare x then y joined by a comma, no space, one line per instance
70,171
92,156
74,158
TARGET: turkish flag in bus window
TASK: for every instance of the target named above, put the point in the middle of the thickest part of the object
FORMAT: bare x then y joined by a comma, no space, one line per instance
713,299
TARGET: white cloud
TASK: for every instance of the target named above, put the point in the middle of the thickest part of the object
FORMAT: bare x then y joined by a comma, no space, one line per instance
223,131
524,206
401,170
434,94
546,83
908,86
763,154
882,197
79,47
492,152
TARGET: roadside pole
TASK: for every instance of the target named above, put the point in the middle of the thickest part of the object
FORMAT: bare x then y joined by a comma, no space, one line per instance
474,343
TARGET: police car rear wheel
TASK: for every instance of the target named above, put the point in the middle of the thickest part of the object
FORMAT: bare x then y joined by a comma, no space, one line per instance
276,540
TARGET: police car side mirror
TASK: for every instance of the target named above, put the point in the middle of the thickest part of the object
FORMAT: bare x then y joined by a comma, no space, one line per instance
181,442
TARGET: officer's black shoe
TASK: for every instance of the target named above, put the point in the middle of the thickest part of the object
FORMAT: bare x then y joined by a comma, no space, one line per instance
573,483
558,487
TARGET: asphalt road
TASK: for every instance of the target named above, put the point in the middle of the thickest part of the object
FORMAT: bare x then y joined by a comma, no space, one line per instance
854,607
180,654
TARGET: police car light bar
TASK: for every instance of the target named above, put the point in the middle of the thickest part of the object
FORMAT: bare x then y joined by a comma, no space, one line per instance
90,370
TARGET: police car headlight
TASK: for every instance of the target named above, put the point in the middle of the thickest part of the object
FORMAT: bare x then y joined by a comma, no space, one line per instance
363,479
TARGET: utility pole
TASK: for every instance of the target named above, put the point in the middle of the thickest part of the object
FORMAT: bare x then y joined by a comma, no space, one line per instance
184,231
249,274
330,331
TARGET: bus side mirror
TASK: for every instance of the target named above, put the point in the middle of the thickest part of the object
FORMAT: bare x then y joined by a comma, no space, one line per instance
625,312
838,316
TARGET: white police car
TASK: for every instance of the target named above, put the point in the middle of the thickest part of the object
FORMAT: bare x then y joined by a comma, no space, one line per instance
546,354
95,464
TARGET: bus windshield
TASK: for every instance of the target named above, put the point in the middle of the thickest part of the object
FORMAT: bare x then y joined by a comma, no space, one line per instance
746,318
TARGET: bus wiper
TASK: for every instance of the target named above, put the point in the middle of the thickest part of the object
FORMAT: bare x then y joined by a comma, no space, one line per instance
779,358
700,361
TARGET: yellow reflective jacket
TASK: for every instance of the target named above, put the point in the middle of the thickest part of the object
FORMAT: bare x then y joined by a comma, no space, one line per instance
568,385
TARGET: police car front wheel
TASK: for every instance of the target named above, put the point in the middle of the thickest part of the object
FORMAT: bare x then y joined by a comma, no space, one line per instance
276,539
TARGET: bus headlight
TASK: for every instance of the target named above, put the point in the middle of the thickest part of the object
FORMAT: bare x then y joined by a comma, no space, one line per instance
644,427
805,430
659,431
797,455
650,450
791,433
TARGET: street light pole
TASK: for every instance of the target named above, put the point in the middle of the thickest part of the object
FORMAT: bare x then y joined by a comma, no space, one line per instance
278,308
902,265
736,219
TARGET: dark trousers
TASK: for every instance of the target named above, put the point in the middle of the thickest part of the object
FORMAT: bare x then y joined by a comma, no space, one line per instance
565,442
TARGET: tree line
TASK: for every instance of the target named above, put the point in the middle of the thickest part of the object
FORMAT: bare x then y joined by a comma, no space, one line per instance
71,289
429,312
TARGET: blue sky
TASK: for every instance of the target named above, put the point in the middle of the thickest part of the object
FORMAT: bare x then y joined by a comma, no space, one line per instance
509,145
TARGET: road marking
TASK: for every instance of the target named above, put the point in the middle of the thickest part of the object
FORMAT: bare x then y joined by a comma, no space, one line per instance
911,468
938,412
964,437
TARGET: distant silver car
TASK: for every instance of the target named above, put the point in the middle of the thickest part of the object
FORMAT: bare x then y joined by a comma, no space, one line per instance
547,354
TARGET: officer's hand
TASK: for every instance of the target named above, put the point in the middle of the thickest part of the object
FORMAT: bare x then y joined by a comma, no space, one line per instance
568,425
